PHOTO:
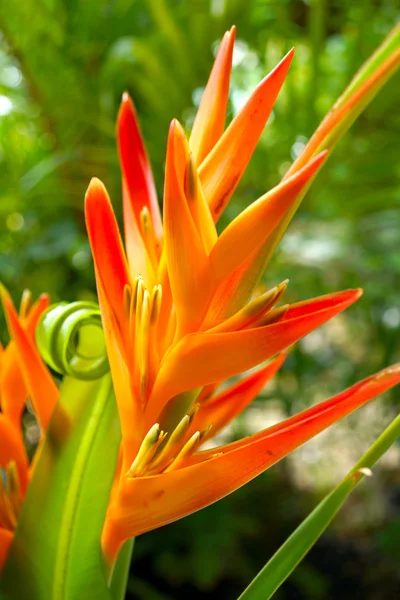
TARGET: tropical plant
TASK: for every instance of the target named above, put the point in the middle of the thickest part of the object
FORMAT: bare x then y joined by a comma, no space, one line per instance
181,314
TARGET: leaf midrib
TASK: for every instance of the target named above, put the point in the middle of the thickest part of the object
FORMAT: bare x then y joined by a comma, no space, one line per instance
60,585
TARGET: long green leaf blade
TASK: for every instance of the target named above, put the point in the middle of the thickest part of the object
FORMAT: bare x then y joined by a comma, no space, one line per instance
56,551
299,543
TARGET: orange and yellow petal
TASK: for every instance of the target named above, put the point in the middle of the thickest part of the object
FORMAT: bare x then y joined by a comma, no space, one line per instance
210,119
12,449
221,171
199,209
107,249
145,503
294,431
138,260
13,389
41,387
122,372
245,234
186,257
35,312
221,409
203,358
136,169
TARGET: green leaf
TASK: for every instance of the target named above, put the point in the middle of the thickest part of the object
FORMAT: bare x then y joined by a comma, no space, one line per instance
56,552
119,578
299,543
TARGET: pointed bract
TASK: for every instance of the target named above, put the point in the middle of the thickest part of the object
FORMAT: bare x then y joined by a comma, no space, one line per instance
224,407
105,241
35,312
41,387
199,209
135,248
12,449
203,358
135,165
127,399
13,389
221,171
14,394
210,119
186,257
245,234
161,499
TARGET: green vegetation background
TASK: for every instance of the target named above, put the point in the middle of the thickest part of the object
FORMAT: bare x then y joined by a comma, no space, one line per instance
63,68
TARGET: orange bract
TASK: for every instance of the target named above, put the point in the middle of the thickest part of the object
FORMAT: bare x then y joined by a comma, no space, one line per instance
181,315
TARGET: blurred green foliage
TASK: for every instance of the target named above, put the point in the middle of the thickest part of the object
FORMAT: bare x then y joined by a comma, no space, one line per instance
63,68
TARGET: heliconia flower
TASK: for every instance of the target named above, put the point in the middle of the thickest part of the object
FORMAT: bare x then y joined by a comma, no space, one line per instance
181,315
23,375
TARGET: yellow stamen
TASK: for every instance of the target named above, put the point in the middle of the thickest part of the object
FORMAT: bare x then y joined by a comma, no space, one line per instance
26,304
149,238
190,181
205,432
138,319
253,311
14,490
188,449
192,412
132,310
173,442
198,207
139,295
155,303
153,356
127,297
273,316
152,440
144,344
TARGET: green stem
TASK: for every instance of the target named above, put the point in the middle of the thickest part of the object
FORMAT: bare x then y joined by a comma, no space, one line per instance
119,578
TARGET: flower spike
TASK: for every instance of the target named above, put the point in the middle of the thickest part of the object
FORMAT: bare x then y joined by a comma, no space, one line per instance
182,312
